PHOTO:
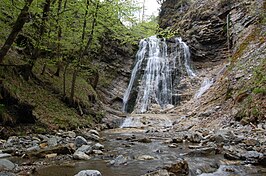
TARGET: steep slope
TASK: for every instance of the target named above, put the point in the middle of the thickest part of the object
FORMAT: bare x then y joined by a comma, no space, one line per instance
232,32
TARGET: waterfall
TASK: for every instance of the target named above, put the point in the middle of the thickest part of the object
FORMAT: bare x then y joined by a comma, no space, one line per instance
152,76
206,84
186,57
139,58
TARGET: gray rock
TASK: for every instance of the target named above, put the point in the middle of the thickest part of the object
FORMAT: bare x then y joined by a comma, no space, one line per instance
4,155
70,134
158,173
253,154
119,160
98,146
52,141
196,137
81,156
6,164
85,149
89,173
146,157
43,137
97,152
7,174
33,148
202,151
94,132
93,137
144,140
79,141
178,168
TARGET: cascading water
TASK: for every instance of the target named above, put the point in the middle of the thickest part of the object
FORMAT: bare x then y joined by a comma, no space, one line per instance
152,76
206,84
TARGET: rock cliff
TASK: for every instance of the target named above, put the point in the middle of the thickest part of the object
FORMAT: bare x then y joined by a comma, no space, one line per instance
231,32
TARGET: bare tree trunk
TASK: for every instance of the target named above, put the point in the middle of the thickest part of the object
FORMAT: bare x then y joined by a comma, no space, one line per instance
75,73
94,24
21,20
45,14
64,79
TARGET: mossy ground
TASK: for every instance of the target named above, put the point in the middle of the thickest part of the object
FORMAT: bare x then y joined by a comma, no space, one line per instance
44,93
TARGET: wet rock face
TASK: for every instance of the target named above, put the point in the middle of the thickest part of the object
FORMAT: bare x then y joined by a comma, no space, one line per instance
200,24
203,24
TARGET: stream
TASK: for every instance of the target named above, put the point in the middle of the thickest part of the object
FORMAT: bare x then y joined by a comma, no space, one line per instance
146,150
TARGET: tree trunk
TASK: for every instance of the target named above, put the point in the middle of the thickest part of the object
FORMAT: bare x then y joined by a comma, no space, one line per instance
21,20
72,93
45,14
64,79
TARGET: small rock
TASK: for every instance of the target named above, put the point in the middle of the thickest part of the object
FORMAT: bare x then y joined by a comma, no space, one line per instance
97,152
119,160
4,155
158,173
81,156
202,151
43,145
177,140
196,137
145,140
253,154
79,141
71,134
251,142
89,173
52,142
6,164
85,148
146,157
179,168
94,132
98,146
33,148
52,155
173,146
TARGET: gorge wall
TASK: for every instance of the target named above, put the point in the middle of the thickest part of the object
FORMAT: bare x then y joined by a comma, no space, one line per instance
217,32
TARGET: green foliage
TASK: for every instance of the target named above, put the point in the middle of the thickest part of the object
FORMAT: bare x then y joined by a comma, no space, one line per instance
167,33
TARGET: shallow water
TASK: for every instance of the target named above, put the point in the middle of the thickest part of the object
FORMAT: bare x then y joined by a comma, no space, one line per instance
161,152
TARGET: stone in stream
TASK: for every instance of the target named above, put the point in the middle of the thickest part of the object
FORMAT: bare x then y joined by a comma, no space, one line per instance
6,164
144,140
202,151
81,156
196,137
79,141
33,148
52,141
97,152
4,155
146,157
94,132
7,174
119,160
85,148
179,168
158,173
89,173
98,146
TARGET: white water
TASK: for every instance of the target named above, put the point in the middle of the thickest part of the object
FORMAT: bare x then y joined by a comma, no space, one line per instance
139,58
152,73
205,85
143,121
186,51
